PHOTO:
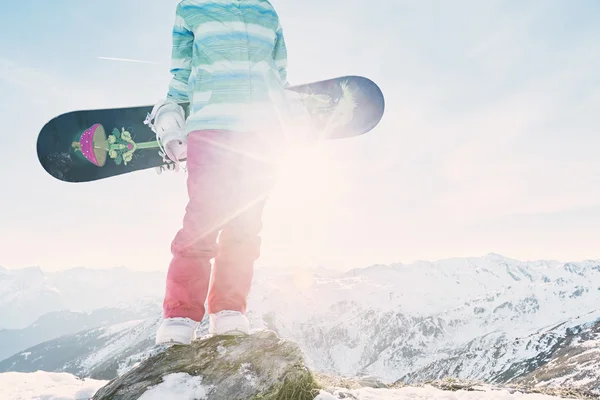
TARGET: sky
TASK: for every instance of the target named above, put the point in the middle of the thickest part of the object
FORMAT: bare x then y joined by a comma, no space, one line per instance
490,141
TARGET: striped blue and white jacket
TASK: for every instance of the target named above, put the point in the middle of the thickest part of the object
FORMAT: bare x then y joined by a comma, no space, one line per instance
229,60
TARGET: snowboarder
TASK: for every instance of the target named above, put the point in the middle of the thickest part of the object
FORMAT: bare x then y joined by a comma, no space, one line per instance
229,61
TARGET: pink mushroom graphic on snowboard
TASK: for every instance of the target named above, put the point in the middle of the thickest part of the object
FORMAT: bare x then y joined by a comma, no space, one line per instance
95,146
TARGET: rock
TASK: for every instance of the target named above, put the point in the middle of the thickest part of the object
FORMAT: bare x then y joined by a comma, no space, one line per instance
257,366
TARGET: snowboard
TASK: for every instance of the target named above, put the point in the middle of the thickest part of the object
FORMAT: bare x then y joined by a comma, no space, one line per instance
89,145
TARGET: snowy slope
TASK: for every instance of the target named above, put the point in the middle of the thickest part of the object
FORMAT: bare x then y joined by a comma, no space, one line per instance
489,318
27,294
500,357
430,392
575,363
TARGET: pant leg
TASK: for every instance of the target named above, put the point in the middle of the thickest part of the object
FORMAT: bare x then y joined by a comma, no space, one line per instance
195,244
239,248
240,242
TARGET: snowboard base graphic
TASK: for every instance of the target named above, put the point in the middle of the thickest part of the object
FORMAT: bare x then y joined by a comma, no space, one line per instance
88,145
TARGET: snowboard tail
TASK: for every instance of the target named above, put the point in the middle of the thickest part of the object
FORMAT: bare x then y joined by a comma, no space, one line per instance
88,145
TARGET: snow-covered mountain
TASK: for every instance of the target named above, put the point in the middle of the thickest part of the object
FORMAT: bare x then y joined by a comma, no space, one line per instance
101,353
27,294
59,323
489,318
391,321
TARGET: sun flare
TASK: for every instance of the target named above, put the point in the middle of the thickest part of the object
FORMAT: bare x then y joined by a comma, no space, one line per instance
302,171
305,202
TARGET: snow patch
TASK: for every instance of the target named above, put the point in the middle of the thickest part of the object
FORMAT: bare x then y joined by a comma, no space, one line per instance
248,374
178,386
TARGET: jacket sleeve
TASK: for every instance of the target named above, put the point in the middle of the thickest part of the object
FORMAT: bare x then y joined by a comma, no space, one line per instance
280,55
181,58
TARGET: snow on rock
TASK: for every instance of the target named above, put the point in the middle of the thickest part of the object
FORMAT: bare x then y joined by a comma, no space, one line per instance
177,386
46,385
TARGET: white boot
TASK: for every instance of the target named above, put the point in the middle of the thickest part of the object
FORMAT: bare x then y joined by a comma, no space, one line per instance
176,330
167,120
228,323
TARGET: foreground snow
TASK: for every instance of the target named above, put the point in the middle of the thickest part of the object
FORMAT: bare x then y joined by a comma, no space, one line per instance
47,386
62,386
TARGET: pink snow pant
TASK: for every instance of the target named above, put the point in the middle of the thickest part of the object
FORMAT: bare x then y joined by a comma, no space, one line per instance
227,191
